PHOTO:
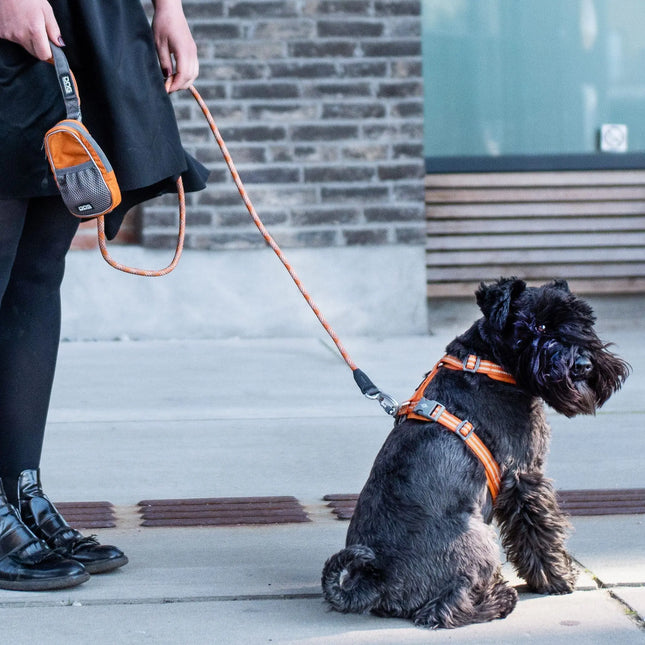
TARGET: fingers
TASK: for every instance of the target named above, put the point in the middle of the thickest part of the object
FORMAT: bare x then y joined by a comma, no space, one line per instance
186,71
31,24
176,49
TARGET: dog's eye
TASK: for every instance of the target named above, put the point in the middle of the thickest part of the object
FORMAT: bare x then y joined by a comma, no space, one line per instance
541,328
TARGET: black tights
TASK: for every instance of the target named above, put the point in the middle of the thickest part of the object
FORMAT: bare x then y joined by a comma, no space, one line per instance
35,236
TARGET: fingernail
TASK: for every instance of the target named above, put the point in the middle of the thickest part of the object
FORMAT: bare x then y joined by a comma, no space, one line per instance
61,42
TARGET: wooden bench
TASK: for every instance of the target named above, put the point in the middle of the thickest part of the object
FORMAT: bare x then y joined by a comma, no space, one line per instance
585,226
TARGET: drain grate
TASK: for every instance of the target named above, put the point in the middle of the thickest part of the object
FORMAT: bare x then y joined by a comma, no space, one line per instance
342,506
88,515
222,511
624,501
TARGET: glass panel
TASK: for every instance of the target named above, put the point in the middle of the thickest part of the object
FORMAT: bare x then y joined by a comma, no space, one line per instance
532,77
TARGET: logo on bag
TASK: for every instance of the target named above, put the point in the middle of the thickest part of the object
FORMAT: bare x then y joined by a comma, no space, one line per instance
66,84
85,207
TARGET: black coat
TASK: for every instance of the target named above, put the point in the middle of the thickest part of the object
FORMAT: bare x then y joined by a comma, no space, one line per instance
125,107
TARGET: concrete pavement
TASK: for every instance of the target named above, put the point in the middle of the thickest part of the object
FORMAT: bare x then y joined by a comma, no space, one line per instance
230,418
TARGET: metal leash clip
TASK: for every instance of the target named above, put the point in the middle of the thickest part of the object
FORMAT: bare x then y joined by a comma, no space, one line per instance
370,390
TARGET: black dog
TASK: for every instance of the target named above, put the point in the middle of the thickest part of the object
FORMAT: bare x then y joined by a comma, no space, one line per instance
420,544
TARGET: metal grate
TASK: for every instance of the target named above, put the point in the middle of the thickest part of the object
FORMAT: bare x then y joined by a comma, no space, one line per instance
88,515
221,511
624,501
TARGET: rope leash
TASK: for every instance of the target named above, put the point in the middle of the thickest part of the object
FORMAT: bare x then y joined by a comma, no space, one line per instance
365,384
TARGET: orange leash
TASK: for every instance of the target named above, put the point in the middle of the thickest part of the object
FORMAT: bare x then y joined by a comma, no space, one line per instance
366,386
149,273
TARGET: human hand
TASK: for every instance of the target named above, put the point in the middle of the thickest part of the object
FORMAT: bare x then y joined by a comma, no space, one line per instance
31,24
176,48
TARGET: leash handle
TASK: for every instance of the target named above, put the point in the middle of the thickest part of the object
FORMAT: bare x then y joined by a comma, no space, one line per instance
67,83
148,273
362,380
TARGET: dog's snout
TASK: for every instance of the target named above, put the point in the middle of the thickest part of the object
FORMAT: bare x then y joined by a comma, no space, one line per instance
583,366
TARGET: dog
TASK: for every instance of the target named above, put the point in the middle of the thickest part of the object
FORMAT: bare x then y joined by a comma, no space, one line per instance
420,544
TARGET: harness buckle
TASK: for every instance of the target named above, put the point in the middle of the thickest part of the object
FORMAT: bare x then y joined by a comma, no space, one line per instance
460,434
429,409
474,369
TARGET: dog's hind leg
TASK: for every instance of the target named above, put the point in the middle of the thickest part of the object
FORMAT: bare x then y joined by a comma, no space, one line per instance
533,530
460,605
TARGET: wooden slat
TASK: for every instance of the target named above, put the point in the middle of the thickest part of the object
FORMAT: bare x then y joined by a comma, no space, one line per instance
597,286
526,225
581,239
551,209
554,178
546,194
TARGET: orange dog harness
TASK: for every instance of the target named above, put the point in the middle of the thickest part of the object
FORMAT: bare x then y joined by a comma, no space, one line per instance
422,409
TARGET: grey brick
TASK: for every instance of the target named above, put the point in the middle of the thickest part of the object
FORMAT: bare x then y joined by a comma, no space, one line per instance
397,7
265,91
361,194
253,133
327,49
284,29
338,90
302,70
407,109
339,174
241,218
388,49
351,28
262,9
281,111
341,7
320,216
216,31
411,235
393,214
323,132
270,175
364,237
364,69
196,11
353,111
400,89
401,171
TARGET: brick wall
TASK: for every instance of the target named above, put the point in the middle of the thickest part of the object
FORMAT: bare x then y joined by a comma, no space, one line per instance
320,103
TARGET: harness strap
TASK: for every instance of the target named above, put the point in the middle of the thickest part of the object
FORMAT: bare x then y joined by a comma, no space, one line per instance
476,365
426,410
422,409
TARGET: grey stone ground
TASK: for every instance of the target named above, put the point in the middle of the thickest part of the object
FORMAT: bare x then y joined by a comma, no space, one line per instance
239,417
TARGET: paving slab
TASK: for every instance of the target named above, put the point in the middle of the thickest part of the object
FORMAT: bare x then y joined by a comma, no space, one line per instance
584,618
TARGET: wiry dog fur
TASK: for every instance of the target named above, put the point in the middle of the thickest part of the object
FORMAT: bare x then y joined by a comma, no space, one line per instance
420,544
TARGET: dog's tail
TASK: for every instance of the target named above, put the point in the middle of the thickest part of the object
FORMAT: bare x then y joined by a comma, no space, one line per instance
351,581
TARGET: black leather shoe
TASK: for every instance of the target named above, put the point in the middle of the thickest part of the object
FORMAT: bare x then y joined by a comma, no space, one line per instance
42,517
27,563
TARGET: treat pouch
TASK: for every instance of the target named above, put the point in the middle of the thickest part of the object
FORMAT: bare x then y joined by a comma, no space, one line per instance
83,173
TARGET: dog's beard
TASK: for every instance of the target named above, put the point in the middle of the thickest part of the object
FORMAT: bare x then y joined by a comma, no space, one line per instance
549,369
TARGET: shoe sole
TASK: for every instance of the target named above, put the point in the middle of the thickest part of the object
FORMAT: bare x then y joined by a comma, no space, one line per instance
103,566
46,584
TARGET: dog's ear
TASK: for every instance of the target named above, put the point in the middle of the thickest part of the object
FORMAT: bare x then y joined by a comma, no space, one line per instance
563,285
495,299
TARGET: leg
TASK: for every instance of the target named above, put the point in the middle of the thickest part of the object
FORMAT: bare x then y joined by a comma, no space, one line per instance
26,563
533,531
29,327
460,604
